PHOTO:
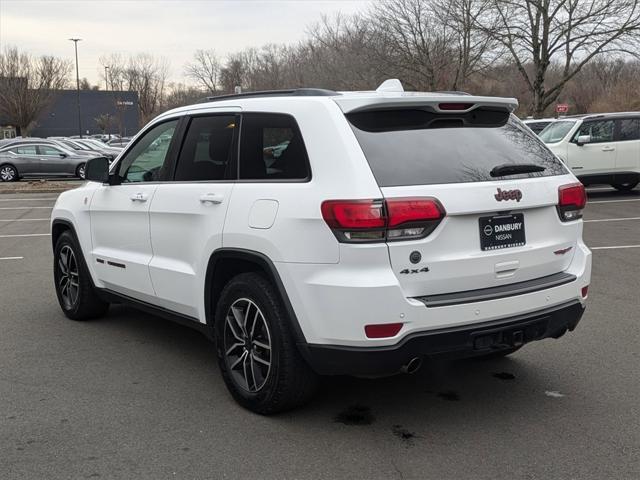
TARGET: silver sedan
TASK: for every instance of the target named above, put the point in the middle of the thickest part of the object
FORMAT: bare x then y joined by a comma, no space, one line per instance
40,159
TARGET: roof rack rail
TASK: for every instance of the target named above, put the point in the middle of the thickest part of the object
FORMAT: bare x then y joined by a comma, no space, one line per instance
294,92
452,92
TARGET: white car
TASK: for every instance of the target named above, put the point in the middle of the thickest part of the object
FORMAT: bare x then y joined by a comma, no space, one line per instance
602,148
537,125
392,226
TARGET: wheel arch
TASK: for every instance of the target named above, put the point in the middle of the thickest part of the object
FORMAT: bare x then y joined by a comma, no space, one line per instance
58,227
225,263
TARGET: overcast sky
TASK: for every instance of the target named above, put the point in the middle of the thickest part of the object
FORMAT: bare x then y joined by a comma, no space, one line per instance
170,28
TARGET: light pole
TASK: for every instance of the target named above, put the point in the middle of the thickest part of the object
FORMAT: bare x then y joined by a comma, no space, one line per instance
75,44
106,78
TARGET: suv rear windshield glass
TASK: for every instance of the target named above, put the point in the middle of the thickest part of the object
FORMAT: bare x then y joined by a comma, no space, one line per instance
418,147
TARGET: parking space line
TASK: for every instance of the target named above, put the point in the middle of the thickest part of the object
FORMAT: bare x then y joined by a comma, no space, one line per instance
11,258
24,208
612,219
25,220
26,235
614,247
614,201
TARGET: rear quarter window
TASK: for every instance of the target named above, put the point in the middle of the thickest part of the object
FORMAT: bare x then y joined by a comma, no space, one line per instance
419,147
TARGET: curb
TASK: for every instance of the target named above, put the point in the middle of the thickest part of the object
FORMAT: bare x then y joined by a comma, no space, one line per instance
44,190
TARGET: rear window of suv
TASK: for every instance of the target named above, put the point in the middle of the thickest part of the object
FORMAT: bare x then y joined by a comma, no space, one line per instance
420,147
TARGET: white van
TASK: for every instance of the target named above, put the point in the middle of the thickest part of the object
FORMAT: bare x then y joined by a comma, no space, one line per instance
603,148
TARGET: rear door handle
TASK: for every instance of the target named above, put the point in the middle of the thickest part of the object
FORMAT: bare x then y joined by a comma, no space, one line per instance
608,149
139,197
213,198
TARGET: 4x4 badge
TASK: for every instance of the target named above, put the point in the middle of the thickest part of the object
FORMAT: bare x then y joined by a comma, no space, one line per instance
508,195
407,271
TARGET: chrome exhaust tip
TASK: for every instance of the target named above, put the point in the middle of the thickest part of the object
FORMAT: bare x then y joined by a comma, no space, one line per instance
412,366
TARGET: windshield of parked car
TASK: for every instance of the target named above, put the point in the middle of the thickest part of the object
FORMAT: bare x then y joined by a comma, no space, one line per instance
556,131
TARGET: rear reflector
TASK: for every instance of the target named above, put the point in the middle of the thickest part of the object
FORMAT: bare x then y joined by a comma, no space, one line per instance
572,199
585,291
383,330
380,220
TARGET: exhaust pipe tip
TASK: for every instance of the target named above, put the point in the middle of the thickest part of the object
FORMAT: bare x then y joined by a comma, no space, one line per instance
412,366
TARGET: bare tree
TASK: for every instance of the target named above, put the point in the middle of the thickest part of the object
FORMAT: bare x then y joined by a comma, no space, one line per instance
179,94
28,86
539,34
475,50
416,44
104,122
205,70
142,73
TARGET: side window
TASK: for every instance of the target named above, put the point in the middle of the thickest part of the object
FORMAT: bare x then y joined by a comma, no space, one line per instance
271,147
26,150
145,161
600,131
629,129
49,151
207,149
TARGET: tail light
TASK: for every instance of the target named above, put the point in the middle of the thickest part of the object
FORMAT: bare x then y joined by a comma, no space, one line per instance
362,221
572,199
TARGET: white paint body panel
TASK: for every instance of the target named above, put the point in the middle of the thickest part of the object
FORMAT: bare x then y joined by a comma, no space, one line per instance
184,231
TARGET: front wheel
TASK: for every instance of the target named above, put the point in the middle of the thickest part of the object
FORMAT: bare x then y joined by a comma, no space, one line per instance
80,171
257,354
625,187
75,291
8,173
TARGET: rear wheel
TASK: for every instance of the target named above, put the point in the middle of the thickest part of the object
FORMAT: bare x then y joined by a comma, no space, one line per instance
625,187
80,171
8,173
257,354
76,294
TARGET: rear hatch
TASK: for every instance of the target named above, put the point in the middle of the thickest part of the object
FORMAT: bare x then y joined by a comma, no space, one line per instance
496,182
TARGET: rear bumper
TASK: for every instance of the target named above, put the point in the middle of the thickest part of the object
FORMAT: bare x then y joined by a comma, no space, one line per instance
454,342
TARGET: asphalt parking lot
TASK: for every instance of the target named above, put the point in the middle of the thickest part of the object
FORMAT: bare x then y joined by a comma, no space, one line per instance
134,396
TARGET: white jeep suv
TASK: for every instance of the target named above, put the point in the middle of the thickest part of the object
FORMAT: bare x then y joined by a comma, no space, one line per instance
310,232
599,149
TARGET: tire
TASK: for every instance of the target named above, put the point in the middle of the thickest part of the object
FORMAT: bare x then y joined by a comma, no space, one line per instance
8,173
287,381
80,170
498,353
625,187
79,302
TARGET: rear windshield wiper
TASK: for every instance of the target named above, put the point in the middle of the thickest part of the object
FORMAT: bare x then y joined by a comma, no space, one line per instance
515,169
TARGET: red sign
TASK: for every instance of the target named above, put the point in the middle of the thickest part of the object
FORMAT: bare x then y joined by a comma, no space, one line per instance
562,108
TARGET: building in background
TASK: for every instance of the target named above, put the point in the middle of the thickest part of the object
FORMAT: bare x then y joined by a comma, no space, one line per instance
102,112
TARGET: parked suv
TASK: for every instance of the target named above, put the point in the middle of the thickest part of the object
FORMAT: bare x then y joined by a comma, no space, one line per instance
603,148
310,232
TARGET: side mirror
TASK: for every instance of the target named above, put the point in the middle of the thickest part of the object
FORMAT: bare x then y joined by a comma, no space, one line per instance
63,155
582,139
97,170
